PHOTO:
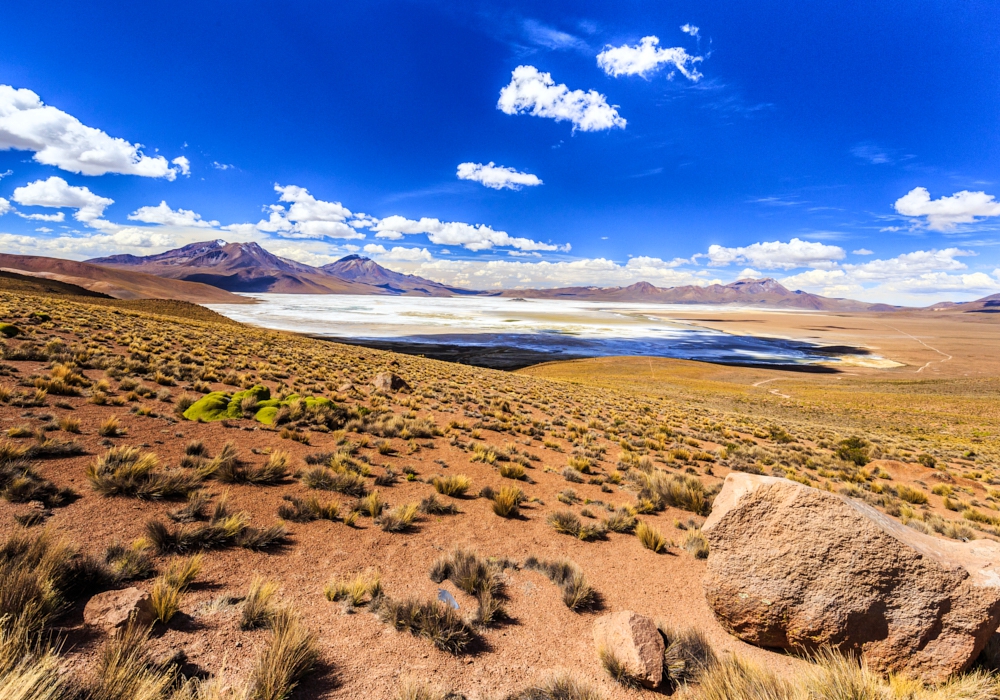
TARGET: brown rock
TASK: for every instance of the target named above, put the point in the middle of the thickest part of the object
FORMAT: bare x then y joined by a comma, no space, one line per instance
794,567
388,383
635,641
111,610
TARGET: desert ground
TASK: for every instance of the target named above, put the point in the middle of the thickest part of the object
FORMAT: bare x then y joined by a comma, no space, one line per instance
562,462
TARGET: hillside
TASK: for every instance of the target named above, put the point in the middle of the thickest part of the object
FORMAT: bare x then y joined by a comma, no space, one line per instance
754,292
121,284
354,500
986,305
356,268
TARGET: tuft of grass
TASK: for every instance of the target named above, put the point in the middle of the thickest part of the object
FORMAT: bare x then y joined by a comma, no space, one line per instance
430,619
507,501
621,520
911,494
399,519
567,523
432,506
348,483
686,655
305,510
110,427
69,424
512,470
291,654
131,562
562,687
577,593
257,606
696,544
453,486
127,471
650,537
675,490
355,590
617,669
125,669
228,468
166,599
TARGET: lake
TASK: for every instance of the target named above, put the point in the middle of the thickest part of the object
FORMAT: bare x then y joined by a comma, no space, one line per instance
507,333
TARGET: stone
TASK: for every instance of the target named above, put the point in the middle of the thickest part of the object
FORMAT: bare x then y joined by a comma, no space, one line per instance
793,567
635,641
111,610
389,383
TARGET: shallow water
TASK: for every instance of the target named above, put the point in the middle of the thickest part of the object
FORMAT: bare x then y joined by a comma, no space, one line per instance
553,328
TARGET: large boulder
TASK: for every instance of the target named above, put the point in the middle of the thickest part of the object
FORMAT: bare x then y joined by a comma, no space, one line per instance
794,567
111,610
635,642
389,383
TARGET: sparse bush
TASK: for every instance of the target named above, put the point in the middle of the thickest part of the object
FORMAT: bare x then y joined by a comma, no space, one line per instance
453,486
650,537
431,620
257,606
617,669
576,592
355,590
399,519
127,471
696,544
507,502
291,654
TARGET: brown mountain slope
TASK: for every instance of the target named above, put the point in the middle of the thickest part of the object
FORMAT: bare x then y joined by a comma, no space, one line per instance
986,305
760,292
121,284
247,267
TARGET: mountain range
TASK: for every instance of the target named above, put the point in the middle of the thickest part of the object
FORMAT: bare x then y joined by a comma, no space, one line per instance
215,271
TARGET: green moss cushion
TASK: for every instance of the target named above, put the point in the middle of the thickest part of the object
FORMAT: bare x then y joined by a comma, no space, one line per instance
221,406
9,330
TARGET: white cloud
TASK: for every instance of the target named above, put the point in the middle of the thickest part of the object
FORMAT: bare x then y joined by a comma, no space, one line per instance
536,93
43,229
918,262
519,274
749,273
56,218
165,216
862,251
496,177
549,37
398,253
777,255
472,237
647,57
4,206
183,164
871,152
221,166
307,217
944,213
61,140
126,240
6,173
56,192
690,29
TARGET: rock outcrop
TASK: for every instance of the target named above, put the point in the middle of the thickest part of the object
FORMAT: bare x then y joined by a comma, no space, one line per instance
794,567
389,383
111,610
635,642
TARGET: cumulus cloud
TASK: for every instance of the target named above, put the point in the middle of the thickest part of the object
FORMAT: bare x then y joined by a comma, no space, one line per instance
307,217
183,164
125,240
496,177
646,57
398,253
57,193
690,29
222,166
165,216
4,206
61,140
776,255
944,213
862,251
472,237
533,92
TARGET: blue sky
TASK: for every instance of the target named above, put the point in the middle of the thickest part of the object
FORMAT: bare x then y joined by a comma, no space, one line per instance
841,147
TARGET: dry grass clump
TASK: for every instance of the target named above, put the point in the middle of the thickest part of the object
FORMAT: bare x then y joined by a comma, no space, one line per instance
130,562
562,687
168,590
567,523
400,518
228,468
126,671
650,537
507,501
696,544
362,588
675,490
291,654
127,471
453,486
432,506
686,655
430,619
308,509
20,483
479,577
616,669
621,520
412,690
110,427
577,593
223,530
36,575
511,470
257,605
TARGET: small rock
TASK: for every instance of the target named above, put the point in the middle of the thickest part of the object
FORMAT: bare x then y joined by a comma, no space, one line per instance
111,610
635,641
388,383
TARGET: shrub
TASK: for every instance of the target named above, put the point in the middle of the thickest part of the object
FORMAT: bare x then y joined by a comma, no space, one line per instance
110,427
854,449
617,669
510,470
166,599
400,518
354,590
650,537
453,486
696,544
911,495
432,506
621,520
304,510
562,687
686,655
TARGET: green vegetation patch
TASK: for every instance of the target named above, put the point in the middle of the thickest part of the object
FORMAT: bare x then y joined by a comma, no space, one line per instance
9,330
220,405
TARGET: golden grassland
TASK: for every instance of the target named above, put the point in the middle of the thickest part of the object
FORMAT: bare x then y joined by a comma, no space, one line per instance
105,484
